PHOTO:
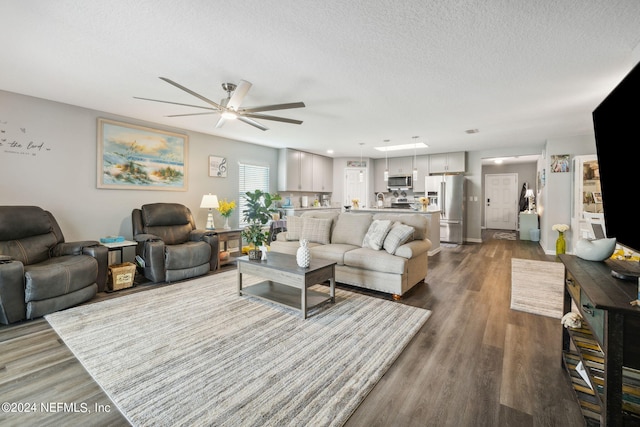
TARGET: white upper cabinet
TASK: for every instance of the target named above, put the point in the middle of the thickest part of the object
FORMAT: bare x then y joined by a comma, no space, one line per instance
400,166
322,174
379,184
422,163
447,162
300,171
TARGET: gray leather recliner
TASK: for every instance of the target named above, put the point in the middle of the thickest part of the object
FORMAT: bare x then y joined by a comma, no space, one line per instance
41,273
170,245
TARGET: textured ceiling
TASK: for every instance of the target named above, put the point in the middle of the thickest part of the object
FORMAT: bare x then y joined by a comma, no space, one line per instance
521,72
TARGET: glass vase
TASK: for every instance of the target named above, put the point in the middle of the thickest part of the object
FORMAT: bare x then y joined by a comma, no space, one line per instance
226,223
561,244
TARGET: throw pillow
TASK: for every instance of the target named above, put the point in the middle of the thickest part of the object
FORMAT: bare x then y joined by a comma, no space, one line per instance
316,230
376,234
398,235
294,227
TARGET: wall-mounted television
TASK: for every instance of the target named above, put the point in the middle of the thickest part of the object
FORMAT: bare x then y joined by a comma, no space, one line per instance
615,123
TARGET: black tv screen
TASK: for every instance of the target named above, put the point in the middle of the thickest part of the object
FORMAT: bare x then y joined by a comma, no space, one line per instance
616,122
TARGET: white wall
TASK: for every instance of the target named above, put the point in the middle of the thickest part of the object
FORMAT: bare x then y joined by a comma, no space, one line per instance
61,176
555,199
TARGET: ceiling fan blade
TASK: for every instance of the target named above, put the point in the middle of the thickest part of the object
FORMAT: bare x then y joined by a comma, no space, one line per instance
274,107
252,123
191,114
277,119
239,94
220,123
176,103
189,91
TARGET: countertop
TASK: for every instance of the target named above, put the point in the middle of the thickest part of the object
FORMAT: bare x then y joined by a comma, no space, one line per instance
378,210
394,210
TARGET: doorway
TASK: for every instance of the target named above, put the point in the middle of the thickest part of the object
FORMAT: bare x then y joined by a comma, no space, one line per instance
501,201
353,188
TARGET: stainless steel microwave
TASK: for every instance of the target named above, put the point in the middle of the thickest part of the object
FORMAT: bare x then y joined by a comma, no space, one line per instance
399,182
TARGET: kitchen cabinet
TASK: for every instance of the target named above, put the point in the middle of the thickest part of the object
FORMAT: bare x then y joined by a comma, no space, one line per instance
295,170
322,173
447,162
400,166
301,171
422,163
379,184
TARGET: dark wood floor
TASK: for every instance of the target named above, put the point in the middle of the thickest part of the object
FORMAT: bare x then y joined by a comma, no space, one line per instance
474,363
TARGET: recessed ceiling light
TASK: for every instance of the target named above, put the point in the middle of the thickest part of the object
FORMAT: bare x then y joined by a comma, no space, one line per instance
498,161
402,147
472,130
330,151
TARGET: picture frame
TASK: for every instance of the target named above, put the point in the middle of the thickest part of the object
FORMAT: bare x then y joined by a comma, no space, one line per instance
217,166
356,163
132,157
560,163
597,197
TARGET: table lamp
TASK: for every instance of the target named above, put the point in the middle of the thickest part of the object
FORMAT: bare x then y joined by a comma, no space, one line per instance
210,201
529,195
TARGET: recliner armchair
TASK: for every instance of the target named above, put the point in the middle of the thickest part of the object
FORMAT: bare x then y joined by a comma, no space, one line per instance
41,273
170,245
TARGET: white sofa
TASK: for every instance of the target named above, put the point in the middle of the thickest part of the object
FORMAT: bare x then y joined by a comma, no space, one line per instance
339,237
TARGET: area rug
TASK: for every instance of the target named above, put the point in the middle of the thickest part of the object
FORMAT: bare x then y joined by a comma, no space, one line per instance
537,287
504,235
196,353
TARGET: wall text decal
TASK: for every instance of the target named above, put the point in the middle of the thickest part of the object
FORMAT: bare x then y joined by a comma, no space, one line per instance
17,141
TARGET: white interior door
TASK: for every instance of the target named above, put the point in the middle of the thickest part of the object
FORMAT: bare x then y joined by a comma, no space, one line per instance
353,188
501,201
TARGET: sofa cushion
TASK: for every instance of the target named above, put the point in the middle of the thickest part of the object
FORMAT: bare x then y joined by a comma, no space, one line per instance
419,222
294,228
398,235
288,246
335,252
333,215
351,228
316,230
375,235
370,259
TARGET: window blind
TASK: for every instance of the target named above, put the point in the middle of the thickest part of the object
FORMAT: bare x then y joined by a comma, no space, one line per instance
252,178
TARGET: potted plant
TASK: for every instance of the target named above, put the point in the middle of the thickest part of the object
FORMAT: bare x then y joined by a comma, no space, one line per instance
258,213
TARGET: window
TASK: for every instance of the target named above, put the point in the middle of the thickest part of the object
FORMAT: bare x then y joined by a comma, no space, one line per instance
252,178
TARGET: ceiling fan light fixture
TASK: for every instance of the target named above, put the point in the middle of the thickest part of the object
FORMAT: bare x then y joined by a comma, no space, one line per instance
229,115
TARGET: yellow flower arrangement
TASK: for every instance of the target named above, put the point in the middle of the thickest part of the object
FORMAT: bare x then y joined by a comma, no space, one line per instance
355,203
226,208
424,201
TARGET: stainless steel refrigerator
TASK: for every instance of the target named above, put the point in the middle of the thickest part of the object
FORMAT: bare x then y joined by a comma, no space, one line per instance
448,193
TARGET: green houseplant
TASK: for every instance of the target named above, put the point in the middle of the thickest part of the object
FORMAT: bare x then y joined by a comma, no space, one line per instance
259,211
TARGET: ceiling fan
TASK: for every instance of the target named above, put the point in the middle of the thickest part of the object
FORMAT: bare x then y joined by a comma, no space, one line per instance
229,107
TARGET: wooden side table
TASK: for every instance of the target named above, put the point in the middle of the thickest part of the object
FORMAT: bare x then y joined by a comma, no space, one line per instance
224,237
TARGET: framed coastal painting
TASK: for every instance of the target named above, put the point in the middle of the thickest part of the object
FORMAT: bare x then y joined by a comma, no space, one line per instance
132,157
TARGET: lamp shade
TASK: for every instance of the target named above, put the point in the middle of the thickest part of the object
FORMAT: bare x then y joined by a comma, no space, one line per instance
209,201
528,193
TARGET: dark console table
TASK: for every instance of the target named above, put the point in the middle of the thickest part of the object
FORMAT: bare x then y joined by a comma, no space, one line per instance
607,344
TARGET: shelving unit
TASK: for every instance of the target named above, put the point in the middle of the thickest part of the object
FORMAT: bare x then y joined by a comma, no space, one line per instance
606,344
